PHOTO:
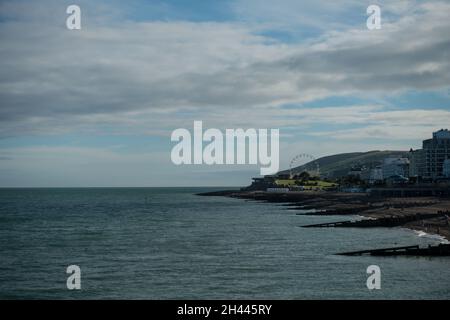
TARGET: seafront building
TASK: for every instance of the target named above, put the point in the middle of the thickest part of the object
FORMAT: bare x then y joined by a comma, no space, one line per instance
446,168
395,166
372,175
416,163
428,162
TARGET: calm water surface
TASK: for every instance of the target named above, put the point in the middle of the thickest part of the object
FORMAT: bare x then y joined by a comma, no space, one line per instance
165,243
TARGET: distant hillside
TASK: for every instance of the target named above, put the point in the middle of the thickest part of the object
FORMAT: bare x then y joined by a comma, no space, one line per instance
338,165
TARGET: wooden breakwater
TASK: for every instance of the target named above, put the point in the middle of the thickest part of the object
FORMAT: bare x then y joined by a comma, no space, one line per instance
310,207
380,222
351,209
438,250
220,193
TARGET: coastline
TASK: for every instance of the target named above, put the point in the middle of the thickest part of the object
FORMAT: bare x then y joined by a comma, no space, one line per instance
424,234
414,210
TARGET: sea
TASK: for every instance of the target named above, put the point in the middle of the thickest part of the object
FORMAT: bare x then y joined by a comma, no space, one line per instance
169,243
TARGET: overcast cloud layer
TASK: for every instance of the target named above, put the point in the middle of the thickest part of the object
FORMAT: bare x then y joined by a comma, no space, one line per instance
120,75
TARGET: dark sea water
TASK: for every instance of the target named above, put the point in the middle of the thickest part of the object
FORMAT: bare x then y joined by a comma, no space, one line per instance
165,243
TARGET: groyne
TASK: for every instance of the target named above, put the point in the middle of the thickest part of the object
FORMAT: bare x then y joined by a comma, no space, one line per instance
388,222
438,250
430,214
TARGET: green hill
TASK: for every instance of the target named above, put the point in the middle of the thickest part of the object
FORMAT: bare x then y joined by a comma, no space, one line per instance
339,165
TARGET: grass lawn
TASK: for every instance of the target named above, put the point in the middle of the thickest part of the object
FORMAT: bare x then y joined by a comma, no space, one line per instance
308,185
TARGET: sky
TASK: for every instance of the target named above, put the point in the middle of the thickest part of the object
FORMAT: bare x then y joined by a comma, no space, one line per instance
96,107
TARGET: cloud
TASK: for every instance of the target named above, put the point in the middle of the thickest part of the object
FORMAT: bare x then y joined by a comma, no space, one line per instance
293,16
152,77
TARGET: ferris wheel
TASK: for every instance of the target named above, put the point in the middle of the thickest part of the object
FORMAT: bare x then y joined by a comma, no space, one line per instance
301,159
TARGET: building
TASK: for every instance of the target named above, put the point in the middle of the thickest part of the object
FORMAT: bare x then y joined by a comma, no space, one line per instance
372,176
261,184
395,166
277,190
283,176
396,180
356,171
376,175
435,152
416,163
446,168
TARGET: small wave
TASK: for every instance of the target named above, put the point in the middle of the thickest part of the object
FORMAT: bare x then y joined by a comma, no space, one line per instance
424,234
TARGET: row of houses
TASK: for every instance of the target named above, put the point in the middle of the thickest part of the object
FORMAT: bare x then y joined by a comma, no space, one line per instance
392,168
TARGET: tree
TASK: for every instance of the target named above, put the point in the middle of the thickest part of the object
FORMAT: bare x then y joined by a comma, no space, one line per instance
304,176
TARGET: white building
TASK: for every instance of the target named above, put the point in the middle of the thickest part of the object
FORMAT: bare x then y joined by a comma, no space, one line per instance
277,190
395,166
372,175
376,174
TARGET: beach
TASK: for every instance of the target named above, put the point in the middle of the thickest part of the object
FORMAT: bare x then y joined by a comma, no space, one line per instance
374,207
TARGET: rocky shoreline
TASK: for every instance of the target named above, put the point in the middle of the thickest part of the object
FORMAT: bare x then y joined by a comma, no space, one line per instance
426,214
